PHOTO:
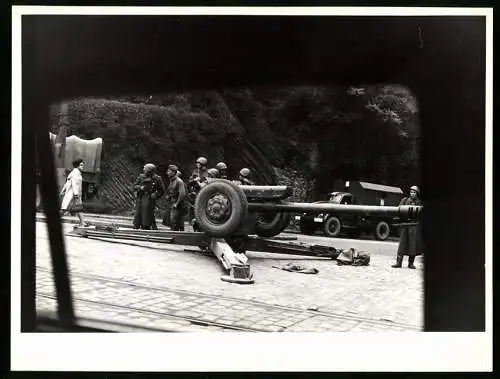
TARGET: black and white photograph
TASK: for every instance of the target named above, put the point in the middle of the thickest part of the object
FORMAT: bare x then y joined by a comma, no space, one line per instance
317,176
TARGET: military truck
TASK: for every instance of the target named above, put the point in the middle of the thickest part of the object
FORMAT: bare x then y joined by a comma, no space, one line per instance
355,193
75,147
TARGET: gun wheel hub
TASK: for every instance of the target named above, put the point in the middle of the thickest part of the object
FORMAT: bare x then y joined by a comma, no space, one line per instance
218,208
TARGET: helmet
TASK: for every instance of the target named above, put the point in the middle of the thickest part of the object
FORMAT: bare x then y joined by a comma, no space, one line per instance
415,188
213,172
221,166
245,172
202,160
149,167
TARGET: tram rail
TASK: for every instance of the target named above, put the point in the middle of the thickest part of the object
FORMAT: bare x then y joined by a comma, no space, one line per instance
194,320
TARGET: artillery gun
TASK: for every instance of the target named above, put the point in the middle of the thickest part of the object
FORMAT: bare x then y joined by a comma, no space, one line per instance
223,208
229,216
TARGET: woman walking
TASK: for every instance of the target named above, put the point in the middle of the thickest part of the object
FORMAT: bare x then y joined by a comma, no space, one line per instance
410,241
72,192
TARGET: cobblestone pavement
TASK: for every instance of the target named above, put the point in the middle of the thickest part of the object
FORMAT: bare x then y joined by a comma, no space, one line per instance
338,298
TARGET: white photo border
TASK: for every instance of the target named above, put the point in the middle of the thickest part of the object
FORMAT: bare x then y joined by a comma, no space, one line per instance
314,352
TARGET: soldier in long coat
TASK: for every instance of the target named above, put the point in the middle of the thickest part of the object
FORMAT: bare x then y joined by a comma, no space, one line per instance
410,241
149,187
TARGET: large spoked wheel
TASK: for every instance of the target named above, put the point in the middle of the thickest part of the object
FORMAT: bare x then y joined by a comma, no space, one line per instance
271,224
382,231
220,208
332,227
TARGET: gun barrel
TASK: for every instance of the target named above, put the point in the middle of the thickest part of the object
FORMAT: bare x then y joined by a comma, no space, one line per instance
403,211
267,192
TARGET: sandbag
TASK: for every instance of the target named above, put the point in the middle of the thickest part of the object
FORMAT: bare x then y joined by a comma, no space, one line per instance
353,257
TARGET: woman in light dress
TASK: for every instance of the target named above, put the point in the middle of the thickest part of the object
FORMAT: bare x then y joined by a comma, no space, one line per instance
72,192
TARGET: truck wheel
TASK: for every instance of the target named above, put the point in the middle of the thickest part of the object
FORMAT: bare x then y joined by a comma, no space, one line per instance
271,224
220,208
332,227
382,231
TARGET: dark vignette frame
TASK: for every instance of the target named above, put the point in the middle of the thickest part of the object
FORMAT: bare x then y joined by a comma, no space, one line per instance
441,59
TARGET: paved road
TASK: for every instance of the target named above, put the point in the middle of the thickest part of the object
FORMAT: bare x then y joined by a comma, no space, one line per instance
167,287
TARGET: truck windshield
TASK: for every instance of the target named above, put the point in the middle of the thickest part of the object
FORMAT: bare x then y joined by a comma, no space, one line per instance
337,198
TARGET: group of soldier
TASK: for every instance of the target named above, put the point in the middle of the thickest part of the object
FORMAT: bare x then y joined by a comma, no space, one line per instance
180,196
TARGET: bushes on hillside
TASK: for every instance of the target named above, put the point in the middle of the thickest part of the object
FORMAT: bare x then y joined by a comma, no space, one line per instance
144,132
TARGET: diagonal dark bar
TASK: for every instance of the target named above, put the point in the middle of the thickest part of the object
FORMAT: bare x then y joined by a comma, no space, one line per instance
39,100
50,201
28,255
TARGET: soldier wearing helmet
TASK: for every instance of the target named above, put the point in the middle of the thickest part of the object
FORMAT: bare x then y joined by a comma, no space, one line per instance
222,167
245,177
410,240
176,194
200,172
213,173
196,181
149,187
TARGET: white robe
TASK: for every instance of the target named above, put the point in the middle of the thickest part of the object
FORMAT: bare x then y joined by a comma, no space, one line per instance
73,186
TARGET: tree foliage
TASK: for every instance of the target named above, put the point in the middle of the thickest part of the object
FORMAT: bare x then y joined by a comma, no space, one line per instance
336,133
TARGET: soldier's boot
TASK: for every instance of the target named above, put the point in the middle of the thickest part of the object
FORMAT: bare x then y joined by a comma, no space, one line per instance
411,260
399,262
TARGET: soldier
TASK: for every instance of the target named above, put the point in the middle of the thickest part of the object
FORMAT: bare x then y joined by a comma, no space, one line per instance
222,167
197,179
213,173
149,188
179,175
410,241
186,199
245,177
200,172
176,194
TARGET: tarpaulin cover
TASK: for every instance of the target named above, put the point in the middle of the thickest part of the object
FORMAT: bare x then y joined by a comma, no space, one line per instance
88,150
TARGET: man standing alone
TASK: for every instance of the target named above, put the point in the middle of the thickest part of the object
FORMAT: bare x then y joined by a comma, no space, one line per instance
176,194
410,241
